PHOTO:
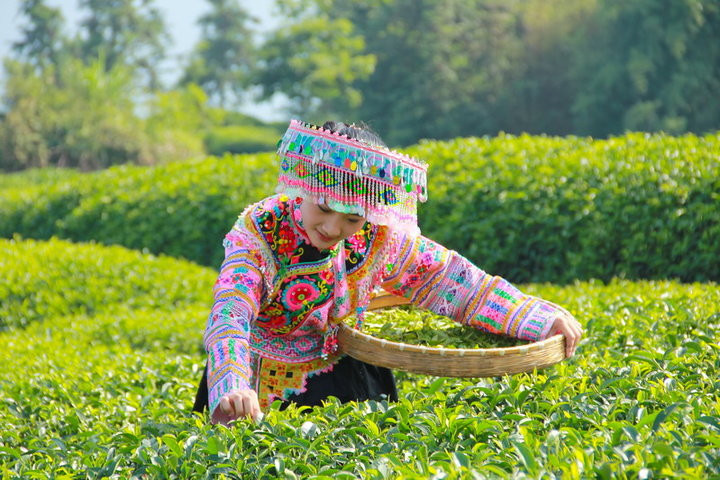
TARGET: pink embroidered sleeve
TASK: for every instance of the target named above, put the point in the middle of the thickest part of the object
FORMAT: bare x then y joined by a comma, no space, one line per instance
238,292
444,282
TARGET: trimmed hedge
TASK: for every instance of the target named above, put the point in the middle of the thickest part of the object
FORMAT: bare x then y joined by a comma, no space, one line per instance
36,177
181,209
241,139
557,209
528,208
56,278
108,393
35,211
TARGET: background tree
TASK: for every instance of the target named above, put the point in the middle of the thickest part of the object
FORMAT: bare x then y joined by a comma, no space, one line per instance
448,61
222,60
85,121
411,68
315,60
446,68
537,96
129,32
442,68
647,65
42,41
440,64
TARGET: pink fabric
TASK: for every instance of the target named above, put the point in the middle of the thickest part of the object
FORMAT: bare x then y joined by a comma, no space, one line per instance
269,305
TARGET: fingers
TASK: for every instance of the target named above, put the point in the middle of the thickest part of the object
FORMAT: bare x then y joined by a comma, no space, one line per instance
571,329
247,407
227,407
237,402
572,338
252,407
224,413
235,405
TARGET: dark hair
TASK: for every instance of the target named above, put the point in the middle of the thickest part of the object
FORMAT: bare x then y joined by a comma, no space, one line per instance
357,131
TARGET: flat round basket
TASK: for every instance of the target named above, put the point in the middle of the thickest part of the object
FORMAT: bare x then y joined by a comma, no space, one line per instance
447,362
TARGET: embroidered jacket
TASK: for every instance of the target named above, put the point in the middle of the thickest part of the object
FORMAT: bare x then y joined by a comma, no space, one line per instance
277,297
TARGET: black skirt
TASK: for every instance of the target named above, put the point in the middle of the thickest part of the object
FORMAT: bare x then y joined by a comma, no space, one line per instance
349,380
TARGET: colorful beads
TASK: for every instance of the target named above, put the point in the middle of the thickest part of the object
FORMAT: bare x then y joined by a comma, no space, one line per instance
380,183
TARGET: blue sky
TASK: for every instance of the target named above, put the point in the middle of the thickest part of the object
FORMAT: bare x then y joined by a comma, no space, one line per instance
180,17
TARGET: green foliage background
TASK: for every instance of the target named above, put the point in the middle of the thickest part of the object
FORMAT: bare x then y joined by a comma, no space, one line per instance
448,68
529,208
182,209
412,69
557,209
99,384
241,139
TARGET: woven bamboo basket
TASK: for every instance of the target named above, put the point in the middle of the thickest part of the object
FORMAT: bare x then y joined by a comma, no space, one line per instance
447,362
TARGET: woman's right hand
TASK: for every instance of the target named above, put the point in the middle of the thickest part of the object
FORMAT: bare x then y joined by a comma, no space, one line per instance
235,405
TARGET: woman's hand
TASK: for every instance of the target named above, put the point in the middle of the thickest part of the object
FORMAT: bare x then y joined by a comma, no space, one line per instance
566,324
237,404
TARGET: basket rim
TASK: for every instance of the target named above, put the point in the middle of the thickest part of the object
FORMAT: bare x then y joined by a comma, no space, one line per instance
382,299
517,350
443,361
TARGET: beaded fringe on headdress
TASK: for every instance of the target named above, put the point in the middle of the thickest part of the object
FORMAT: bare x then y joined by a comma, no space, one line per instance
383,186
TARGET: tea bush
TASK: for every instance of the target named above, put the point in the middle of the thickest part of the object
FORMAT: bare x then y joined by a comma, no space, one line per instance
181,209
51,279
241,139
528,208
557,209
106,393
34,209
36,177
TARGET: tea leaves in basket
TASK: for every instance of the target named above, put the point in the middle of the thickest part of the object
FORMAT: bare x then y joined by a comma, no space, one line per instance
416,326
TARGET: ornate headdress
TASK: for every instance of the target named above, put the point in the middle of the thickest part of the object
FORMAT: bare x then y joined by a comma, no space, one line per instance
351,176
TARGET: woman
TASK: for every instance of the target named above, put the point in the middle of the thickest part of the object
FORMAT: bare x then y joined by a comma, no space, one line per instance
298,263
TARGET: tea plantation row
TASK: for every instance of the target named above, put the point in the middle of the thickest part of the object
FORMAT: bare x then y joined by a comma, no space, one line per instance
533,208
101,355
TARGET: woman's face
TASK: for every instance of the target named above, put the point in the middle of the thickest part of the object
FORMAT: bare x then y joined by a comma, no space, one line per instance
326,227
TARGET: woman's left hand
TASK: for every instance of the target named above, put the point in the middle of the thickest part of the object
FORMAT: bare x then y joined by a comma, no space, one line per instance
567,325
